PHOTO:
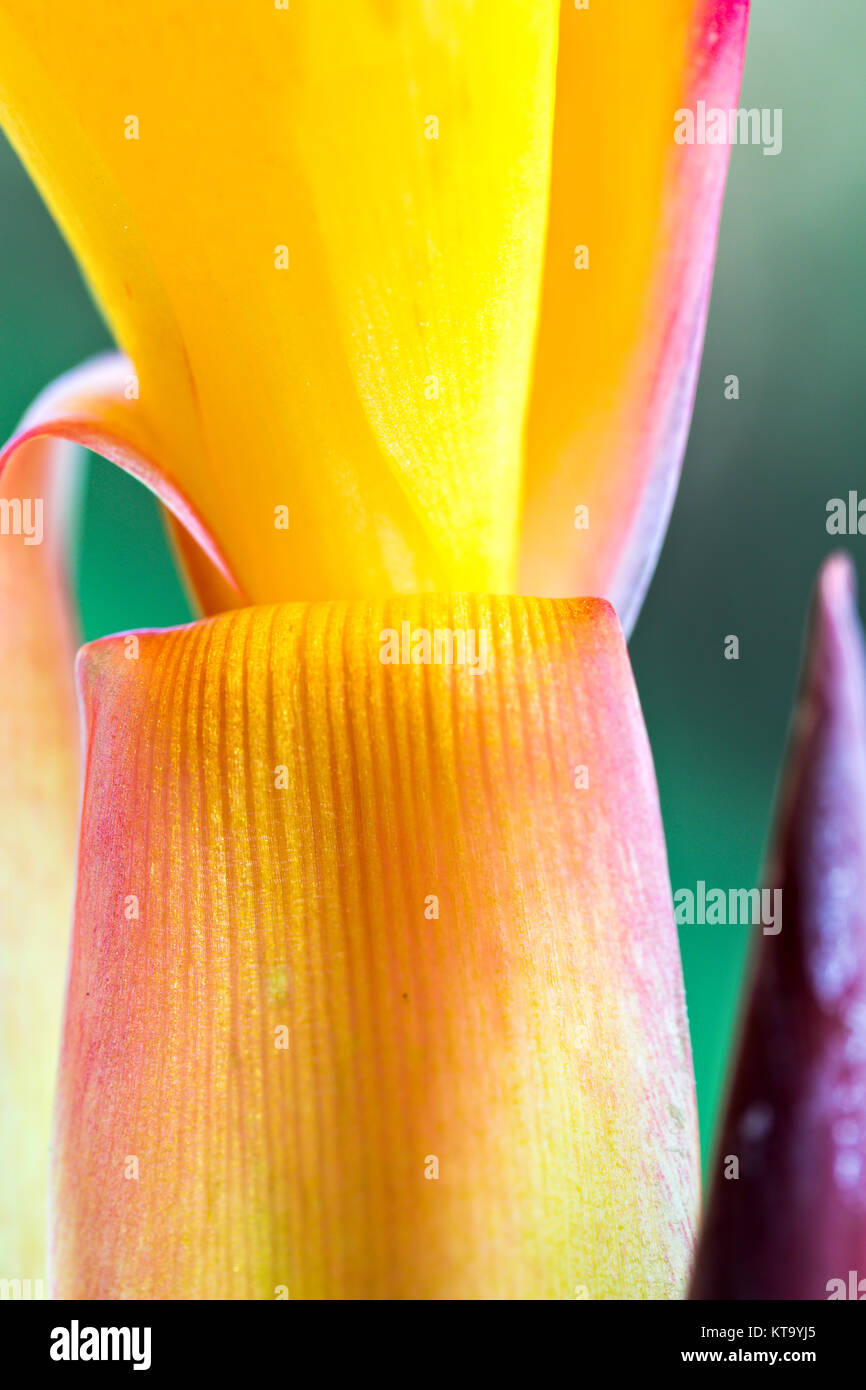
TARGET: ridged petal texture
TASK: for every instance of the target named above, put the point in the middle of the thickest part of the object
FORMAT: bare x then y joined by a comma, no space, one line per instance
374,989
341,252
792,1225
39,771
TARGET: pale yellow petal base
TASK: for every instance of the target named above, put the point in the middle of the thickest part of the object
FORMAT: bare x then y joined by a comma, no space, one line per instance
39,779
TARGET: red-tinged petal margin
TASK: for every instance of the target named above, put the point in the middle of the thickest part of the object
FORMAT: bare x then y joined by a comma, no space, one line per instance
620,340
39,799
96,406
787,1210
374,988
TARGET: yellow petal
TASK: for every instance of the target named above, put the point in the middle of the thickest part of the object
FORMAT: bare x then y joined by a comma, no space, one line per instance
622,322
370,995
39,799
398,157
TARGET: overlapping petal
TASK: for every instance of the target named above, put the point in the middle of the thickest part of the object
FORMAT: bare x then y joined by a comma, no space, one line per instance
325,245
321,246
374,989
620,341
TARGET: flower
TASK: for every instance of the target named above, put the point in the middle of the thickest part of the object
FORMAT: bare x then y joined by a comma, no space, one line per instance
410,298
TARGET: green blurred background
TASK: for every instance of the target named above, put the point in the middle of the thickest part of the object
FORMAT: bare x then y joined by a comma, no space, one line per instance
788,316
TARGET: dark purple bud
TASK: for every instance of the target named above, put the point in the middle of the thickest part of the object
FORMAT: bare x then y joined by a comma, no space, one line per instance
786,1216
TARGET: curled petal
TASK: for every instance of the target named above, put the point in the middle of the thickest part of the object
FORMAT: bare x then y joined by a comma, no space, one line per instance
620,337
374,990
94,405
793,1223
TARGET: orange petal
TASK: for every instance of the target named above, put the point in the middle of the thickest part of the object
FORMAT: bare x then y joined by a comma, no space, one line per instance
370,996
39,797
619,342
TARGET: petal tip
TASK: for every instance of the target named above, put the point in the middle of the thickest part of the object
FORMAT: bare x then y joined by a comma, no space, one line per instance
837,588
